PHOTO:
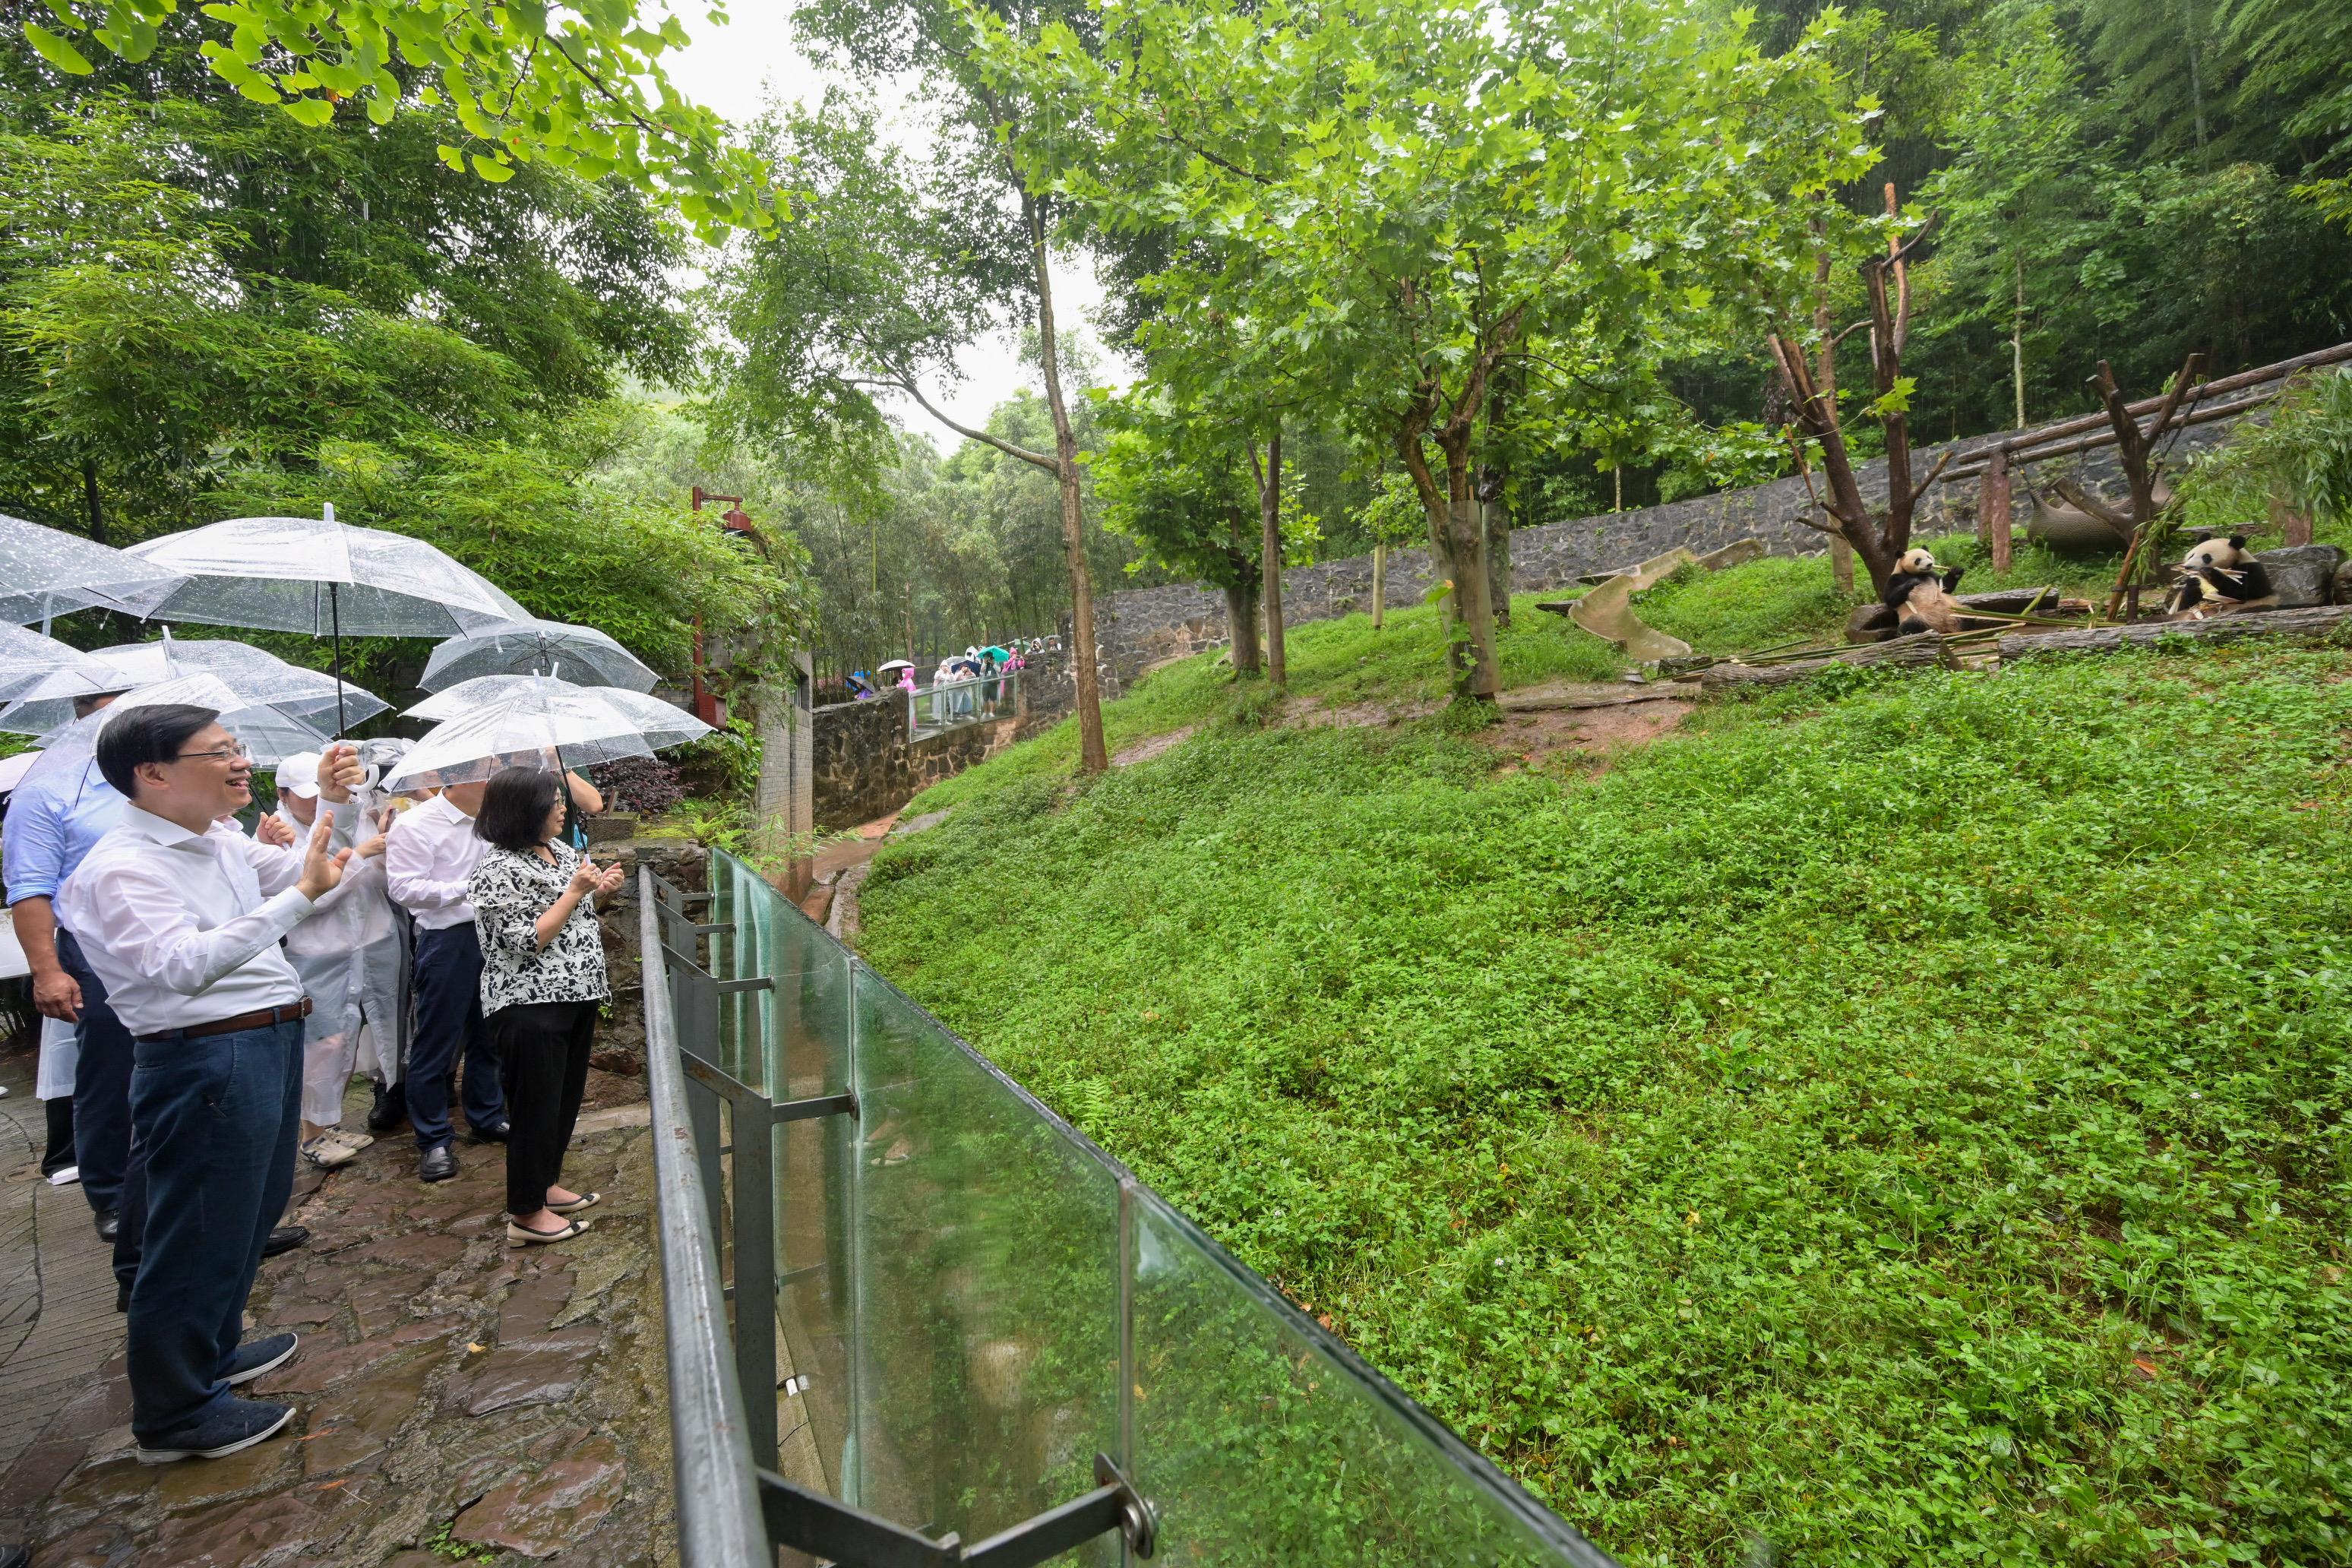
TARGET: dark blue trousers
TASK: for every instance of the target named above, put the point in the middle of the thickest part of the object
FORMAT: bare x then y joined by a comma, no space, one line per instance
448,1026
101,1098
217,1120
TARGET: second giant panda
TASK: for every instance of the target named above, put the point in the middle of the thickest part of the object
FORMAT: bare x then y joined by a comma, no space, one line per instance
1920,595
2217,577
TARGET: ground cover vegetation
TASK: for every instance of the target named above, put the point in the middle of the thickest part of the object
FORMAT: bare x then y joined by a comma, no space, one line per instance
1897,1120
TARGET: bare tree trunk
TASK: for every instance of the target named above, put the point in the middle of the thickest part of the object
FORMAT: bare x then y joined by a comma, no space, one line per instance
1495,519
91,500
1466,539
1993,515
2017,346
1841,565
1240,618
1380,584
1269,516
1094,755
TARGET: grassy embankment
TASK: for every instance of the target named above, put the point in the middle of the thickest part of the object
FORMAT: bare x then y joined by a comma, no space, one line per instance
1904,1119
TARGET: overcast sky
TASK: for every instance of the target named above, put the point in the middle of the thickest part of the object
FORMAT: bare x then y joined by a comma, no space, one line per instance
736,67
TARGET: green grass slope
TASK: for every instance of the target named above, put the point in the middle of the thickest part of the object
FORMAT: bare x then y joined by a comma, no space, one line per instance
1904,1121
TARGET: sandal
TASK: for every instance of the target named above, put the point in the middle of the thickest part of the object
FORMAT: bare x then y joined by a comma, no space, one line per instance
523,1236
584,1201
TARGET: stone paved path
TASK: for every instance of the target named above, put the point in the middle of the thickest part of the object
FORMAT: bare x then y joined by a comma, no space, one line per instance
456,1399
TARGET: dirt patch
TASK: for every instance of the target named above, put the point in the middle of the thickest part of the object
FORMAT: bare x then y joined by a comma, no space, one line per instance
1143,751
1587,737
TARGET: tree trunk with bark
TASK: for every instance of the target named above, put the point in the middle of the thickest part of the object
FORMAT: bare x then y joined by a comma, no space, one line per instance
1241,617
1268,465
1878,537
1494,521
1379,586
1094,754
90,501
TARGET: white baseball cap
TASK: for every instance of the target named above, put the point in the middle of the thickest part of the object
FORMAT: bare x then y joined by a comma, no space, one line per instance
299,774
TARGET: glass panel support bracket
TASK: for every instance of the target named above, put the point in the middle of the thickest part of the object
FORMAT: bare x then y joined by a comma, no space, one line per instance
830,1529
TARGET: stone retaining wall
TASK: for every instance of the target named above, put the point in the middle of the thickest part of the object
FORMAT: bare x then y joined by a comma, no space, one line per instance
865,767
1143,628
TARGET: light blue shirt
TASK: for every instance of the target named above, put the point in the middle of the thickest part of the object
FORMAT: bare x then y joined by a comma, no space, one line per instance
53,822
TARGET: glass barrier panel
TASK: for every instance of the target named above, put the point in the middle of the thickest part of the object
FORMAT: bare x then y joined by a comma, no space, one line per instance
985,1252
1260,1445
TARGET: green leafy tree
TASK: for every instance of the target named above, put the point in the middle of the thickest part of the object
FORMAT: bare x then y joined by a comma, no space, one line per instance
578,88
1417,196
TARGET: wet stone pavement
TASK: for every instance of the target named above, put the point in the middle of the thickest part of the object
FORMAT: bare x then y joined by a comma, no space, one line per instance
456,1399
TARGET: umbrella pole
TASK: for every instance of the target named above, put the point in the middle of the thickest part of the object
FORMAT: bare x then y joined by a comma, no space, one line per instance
335,614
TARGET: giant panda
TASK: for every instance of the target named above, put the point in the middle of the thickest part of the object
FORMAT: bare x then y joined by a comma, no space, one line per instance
2217,577
1920,595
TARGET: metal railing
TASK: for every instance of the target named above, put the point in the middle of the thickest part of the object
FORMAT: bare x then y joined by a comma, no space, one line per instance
954,1317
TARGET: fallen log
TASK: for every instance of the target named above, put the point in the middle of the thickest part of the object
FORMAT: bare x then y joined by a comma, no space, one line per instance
1918,651
2301,628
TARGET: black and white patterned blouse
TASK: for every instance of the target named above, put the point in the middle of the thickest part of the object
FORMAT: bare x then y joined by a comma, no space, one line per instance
510,892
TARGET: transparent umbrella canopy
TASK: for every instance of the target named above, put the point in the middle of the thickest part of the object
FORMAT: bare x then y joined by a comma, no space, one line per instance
320,577
254,675
46,573
27,658
581,655
545,723
657,722
270,735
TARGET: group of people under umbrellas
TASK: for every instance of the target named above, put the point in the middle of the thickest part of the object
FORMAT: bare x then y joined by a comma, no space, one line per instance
411,910
971,684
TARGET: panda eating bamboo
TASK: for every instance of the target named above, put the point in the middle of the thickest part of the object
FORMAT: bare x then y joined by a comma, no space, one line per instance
2217,577
1920,595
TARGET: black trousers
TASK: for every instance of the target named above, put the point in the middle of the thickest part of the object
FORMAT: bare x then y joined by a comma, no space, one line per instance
543,1065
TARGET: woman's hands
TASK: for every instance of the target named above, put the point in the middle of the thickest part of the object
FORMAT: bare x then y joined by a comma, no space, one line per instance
272,830
586,878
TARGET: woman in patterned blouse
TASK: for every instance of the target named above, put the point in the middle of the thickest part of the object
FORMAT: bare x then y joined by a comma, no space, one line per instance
542,985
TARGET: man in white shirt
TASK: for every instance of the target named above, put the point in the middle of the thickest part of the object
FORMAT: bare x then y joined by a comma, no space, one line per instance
181,916
428,855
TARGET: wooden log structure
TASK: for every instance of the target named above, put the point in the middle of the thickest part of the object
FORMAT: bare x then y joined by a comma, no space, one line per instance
1919,649
1993,510
2301,628
2029,447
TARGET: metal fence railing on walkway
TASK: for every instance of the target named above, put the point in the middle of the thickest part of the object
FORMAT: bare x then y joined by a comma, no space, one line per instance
948,705
961,1333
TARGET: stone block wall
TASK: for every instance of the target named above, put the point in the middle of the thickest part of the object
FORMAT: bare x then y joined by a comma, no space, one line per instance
865,766
1143,628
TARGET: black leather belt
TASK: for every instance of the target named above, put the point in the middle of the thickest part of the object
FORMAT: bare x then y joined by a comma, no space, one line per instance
259,1018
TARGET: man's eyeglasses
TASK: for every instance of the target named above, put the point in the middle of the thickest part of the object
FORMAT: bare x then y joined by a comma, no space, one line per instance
237,751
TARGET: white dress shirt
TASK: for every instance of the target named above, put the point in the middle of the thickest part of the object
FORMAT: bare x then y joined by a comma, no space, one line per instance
184,926
428,857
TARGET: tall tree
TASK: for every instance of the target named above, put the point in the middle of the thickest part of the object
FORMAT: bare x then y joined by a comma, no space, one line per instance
1419,195
1001,147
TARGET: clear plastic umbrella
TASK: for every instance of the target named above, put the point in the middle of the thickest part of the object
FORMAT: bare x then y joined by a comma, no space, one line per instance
320,577
659,724
581,655
13,769
254,675
542,723
271,736
46,573
28,658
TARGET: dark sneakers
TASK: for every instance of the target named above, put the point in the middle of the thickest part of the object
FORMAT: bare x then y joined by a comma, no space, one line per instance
255,1357
236,1424
438,1165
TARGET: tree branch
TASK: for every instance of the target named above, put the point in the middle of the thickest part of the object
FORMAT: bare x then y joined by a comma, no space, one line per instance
1051,464
1921,488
